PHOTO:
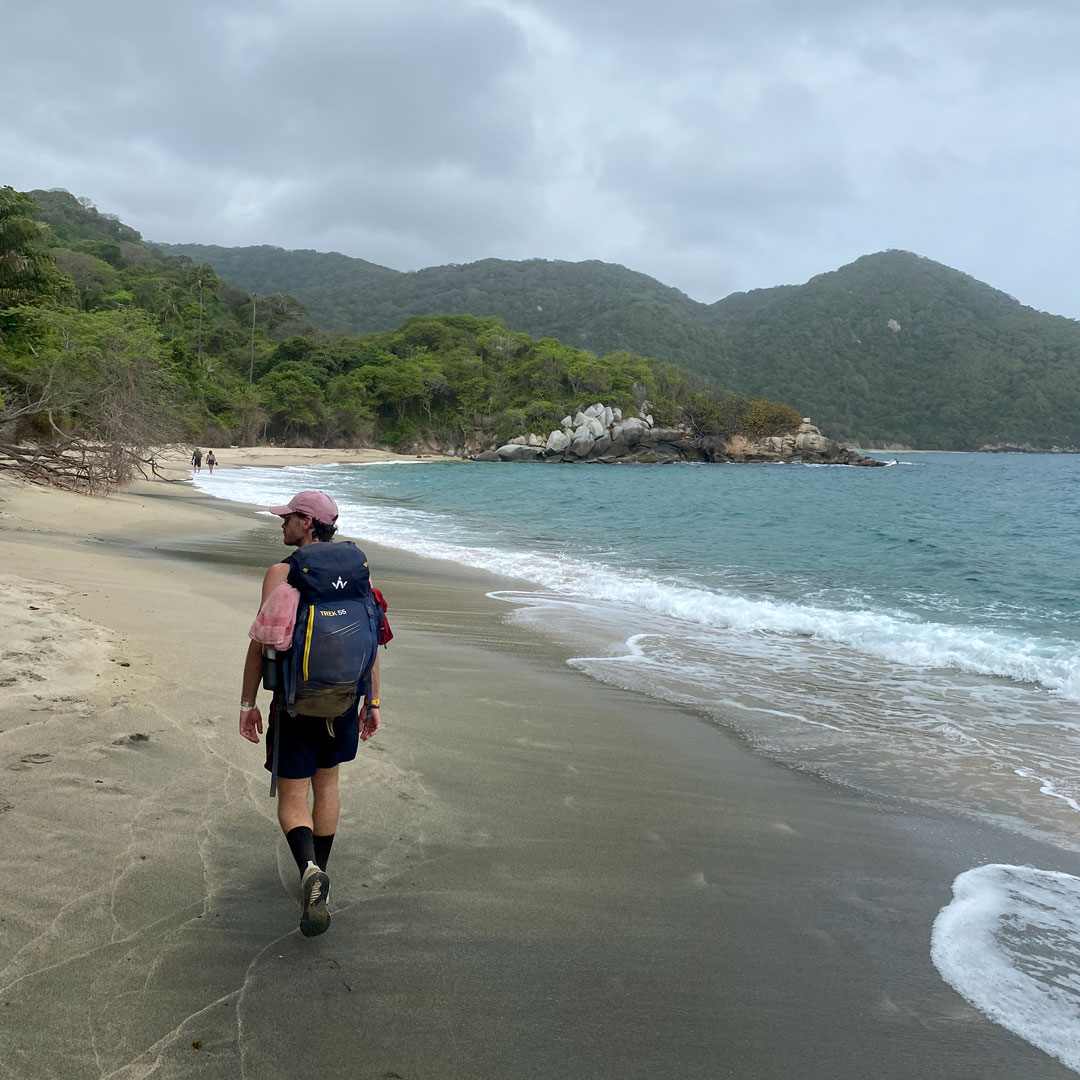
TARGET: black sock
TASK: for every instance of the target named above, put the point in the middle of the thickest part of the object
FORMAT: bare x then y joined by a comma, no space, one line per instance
323,844
301,845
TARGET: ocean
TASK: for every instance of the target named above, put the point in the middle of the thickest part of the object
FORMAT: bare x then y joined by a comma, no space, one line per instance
910,632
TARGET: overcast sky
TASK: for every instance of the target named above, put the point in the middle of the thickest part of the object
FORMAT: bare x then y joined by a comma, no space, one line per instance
714,144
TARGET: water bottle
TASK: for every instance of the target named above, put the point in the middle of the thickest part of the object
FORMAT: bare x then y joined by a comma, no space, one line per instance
271,669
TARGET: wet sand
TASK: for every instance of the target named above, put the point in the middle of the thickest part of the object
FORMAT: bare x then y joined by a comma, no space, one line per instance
535,875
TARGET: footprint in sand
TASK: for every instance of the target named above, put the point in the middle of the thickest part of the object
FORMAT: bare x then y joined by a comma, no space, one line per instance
27,760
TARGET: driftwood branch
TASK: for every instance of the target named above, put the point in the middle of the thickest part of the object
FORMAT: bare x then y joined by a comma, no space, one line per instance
89,434
93,468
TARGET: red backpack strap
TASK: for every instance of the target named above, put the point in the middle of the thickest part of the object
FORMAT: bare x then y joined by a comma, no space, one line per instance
385,633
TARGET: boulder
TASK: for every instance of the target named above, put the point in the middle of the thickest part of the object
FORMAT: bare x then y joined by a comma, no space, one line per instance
535,440
687,447
628,431
596,410
487,455
519,440
662,434
600,448
811,443
517,452
566,421
608,418
581,446
580,419
596,429
557,442
616,416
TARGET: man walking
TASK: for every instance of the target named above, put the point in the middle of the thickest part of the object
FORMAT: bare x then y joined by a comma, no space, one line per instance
309,749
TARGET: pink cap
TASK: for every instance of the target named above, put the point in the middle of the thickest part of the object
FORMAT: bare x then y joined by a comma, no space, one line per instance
315,504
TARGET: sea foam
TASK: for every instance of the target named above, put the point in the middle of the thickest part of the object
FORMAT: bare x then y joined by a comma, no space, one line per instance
1009,943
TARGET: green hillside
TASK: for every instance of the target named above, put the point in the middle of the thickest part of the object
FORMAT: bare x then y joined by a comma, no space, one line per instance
898,347
967,366
592,305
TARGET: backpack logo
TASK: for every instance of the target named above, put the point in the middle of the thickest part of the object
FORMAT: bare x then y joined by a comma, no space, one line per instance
339,584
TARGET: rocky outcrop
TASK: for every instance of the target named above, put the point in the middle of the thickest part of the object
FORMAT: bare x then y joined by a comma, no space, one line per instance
601,434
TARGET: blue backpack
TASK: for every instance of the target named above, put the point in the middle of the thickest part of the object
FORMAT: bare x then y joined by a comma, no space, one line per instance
335,643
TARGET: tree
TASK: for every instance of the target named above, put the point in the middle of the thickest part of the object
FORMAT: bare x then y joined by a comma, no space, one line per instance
292,396
203,277
27,271
85,401
395,385
92,277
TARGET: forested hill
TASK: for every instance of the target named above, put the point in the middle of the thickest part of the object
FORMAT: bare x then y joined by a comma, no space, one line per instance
898,347
591,305
893,348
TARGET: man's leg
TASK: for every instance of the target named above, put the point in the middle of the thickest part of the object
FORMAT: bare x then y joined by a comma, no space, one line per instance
293,811
325,812
295,819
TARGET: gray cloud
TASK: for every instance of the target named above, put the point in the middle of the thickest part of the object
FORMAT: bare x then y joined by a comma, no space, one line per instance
715,145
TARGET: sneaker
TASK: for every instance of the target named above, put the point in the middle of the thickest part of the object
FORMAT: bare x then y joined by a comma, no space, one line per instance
315,886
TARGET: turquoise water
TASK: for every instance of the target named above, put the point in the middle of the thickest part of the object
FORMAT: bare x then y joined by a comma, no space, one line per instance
913,631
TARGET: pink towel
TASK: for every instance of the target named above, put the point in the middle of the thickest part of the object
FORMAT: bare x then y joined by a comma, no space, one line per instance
276,620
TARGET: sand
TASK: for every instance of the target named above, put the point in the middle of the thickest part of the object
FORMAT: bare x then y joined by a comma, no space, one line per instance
239,456
535,875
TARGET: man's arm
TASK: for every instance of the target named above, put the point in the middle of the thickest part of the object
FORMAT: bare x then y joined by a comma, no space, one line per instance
251,723
369,715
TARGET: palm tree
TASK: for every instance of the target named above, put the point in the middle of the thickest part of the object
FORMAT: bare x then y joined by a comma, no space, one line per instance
203,277
170,312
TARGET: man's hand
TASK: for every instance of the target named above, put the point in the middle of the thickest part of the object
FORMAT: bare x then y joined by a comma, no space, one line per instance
369,721
251,724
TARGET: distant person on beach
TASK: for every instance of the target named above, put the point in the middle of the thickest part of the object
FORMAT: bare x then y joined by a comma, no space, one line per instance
309,749
271,444
196,459
211,461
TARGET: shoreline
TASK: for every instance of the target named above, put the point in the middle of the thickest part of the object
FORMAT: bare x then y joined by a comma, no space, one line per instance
536,874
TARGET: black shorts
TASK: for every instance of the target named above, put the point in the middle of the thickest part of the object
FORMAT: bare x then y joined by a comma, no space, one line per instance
306,745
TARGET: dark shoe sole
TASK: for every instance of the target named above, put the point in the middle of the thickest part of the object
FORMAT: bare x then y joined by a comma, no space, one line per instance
315,919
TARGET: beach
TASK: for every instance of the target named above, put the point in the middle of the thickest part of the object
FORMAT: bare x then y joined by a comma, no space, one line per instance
535,875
